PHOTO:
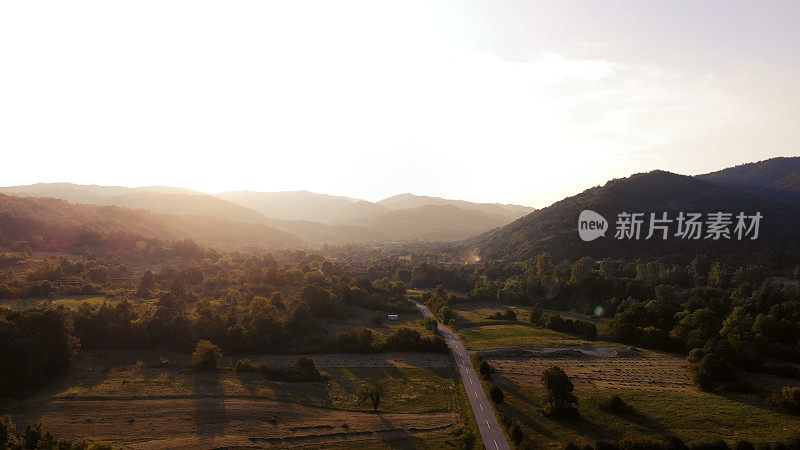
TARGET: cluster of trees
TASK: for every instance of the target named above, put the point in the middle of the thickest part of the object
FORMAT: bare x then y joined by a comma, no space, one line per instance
240,302
582,328
729,313
35,345
403,339
36,437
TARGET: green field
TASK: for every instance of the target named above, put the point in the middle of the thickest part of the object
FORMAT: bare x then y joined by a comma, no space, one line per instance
692,416
487,337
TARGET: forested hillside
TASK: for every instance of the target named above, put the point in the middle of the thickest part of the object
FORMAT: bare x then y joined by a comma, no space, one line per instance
555,229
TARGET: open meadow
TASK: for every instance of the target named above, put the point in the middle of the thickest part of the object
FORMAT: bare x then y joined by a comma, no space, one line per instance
143,399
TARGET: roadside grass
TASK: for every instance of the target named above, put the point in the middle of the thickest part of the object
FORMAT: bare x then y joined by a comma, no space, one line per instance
692,416
512,335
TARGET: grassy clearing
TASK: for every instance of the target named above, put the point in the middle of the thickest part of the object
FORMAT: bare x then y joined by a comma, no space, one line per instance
76,302
474,315
692,416
517,336
70,302
357,318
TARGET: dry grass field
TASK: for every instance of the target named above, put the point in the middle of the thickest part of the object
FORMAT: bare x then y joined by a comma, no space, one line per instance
141,399
600,368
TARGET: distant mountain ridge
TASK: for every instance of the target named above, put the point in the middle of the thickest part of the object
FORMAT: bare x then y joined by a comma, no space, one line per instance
314,218
406,201
61,223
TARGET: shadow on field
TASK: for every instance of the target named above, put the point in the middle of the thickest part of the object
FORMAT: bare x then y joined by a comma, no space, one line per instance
647,422
208,402
400,438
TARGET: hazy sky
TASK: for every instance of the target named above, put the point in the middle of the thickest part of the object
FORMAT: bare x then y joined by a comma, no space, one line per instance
523,102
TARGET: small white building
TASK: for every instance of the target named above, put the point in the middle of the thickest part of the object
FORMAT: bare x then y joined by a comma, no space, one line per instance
392,316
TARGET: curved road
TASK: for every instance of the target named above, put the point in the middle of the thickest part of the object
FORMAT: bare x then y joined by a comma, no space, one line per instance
491,433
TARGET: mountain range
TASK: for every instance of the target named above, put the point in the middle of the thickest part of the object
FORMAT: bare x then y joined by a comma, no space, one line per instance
305,219
314,219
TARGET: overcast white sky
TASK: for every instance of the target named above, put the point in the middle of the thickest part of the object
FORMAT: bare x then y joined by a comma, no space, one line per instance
522,102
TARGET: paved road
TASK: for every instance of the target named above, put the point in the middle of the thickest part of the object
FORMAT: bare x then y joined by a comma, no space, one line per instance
491,432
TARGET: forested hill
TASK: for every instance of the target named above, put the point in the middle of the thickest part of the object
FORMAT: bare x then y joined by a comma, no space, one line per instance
555,229
58,225
776,178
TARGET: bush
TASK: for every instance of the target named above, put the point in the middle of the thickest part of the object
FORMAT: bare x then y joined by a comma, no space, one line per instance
743,445
485,370
206,356
713,372
305,370
508,314
787,399
306,364
245,365
496,394
516,434
614,405
431,324
582,328
8,432
377,318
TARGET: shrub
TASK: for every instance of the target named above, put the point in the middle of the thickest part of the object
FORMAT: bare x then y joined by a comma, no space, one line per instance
496,394
245,365
713,372
305,370
536,314
463,437
373,393
743,445
8,432
206,356
431,324
516,434
787,399
508,314
614,405
306,364
377,318
485,370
